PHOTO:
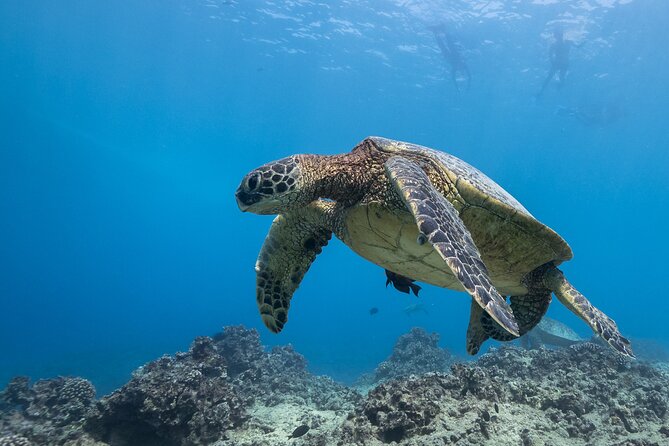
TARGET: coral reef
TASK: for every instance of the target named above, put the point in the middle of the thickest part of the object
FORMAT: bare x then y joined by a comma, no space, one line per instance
280,393
580,395
181,400
14,440
199,397
52,411
229,391
282,377
279,376
241,348
223,386
415,353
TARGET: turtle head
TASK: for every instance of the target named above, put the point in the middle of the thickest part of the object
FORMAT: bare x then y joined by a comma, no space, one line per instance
272,188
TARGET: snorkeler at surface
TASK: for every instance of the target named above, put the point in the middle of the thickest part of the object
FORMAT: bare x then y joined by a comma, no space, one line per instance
558,54
451,53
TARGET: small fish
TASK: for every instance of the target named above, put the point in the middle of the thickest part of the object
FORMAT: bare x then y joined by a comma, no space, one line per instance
496,408
401,283
373,311
301,430
486,415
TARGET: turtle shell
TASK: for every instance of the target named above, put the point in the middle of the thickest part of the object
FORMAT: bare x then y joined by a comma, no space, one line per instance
510,240
555,332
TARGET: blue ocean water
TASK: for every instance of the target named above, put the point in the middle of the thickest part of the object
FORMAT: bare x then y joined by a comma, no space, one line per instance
125,128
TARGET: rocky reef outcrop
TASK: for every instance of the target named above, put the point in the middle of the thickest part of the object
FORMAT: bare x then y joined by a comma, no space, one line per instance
228,390
414,353
182,400
279,376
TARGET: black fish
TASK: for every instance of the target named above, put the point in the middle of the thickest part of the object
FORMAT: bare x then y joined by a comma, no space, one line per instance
401,283
301,430
373,311
496,408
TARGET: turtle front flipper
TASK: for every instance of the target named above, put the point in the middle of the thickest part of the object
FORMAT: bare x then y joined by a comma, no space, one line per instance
440,223
292,244
600,323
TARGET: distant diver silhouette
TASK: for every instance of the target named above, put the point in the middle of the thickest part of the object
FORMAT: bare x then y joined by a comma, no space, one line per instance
558,54
452,54
414,308
593,115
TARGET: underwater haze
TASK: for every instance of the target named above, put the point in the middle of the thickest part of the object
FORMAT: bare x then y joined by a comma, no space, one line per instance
126,127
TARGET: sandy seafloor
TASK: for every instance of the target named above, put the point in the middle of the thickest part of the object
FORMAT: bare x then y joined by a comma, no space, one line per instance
228,390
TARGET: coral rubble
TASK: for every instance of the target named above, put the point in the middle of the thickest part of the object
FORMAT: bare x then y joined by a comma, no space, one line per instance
229,391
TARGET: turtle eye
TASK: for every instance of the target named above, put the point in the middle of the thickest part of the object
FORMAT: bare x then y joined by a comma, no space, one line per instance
252,182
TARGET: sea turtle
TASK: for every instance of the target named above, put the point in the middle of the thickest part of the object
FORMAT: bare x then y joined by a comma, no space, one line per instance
422,215
551,332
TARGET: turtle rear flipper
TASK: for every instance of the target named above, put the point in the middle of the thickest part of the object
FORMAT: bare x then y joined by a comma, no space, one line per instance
292,244
600,323
476,333
440,223
528,310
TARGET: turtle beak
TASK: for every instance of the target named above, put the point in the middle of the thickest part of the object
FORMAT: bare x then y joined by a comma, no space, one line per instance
242,206
244,200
